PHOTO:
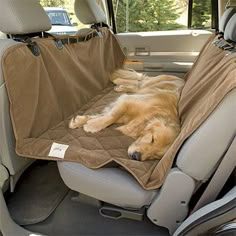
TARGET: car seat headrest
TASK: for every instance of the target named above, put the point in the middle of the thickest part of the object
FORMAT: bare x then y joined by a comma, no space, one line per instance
89,12
23,17
225,18
230,30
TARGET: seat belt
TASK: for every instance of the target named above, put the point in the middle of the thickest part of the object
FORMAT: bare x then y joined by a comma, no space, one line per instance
219,178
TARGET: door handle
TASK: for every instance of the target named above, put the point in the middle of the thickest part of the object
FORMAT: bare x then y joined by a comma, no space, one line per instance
142,51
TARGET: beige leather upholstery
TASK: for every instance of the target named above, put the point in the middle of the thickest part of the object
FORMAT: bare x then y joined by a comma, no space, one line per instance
14,164
202,151
2,35
16,17
112,185
225,18
230,34
89,12
23,17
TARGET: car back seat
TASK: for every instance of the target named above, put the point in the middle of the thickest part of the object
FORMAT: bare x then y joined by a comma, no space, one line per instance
195,162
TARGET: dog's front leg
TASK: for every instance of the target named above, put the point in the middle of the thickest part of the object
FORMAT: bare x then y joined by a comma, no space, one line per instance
110,116
133,128
79,121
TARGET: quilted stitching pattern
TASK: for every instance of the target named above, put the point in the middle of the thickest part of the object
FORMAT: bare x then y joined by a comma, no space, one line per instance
109,140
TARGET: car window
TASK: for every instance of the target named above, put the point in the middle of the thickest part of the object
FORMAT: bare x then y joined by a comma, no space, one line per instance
153,15
59,17
65,17
201,14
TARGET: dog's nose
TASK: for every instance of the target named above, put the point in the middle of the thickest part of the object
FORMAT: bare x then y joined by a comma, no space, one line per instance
136,156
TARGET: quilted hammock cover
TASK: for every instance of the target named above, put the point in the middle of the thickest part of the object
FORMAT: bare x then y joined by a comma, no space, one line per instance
60,83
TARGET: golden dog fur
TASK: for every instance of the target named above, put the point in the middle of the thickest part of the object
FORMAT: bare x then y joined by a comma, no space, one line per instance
148,111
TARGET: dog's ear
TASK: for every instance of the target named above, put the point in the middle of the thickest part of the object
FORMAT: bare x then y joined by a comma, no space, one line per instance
147,138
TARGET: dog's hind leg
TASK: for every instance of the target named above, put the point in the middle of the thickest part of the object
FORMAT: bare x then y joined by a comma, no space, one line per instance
126,88
120,81
126,75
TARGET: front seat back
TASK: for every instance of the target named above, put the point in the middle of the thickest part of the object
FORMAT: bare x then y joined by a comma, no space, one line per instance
89,13
15,20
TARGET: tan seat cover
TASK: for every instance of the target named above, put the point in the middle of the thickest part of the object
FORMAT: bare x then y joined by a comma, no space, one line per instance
46,91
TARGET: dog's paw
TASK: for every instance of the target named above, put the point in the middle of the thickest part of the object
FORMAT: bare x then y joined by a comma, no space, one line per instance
118,88
77,122
72,124
118,81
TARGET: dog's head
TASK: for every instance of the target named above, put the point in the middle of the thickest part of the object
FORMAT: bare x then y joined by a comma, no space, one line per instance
154,141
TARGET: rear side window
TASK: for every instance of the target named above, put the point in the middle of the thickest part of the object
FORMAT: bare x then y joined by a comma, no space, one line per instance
59,17
153,15
63,17
201,14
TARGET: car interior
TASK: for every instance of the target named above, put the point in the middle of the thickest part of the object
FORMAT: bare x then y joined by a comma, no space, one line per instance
57,181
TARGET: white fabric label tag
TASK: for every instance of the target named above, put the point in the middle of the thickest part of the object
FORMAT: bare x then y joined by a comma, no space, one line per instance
58,150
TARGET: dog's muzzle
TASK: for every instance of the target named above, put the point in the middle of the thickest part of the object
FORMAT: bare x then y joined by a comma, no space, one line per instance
136,156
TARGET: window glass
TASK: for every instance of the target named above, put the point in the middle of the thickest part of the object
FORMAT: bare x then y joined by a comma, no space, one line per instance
156,15
58,17
201,14
64,17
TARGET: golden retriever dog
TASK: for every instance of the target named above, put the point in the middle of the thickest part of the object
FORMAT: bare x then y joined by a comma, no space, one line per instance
148,111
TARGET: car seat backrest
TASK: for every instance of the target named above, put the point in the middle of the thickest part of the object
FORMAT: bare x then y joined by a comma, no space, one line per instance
89,12
225,18
203,150
230,29
17,17
7,153
23,17
201,153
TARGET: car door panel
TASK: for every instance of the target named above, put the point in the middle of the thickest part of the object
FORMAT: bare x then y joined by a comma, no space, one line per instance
160,52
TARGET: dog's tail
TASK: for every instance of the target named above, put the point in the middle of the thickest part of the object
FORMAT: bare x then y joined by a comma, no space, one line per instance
128,74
